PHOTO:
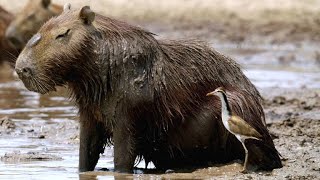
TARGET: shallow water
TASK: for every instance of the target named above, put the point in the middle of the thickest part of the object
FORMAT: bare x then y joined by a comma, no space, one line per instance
35,116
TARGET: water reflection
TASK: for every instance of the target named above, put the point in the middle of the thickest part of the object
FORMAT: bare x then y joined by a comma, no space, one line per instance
230,169
19,103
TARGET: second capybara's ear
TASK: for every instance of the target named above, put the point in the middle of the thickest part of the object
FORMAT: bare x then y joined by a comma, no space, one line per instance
66,7
86,15
45,3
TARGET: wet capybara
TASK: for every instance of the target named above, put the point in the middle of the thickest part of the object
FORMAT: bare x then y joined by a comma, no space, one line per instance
147,97
8,52
29,20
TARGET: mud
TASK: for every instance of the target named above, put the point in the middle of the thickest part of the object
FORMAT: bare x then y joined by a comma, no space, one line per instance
6,124
293,118
17,156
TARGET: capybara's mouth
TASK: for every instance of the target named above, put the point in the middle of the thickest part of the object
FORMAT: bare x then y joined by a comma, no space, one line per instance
36,86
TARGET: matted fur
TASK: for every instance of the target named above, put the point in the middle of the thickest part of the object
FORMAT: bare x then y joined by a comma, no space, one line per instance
147,96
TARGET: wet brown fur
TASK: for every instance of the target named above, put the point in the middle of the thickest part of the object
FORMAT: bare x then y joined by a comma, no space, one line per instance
8,53
146,96
29,20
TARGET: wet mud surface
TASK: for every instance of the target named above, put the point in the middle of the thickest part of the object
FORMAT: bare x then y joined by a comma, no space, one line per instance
36,147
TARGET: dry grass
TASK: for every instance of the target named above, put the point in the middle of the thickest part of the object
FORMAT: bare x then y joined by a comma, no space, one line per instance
265,17
209,10
194,10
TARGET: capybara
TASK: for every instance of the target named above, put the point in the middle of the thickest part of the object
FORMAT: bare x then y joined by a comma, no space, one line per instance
29,20
8,52
145,96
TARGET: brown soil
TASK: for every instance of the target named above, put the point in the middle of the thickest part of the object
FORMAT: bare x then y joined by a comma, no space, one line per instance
17,156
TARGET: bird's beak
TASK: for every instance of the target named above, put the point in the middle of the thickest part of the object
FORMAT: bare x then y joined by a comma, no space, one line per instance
211,93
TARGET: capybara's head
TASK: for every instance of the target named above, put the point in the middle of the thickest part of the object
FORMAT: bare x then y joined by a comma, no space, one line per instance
29,20
57,53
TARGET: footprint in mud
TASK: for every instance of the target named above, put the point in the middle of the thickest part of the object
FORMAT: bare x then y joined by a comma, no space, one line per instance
17,156
7,123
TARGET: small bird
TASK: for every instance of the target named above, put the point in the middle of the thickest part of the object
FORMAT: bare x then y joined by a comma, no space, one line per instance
235,124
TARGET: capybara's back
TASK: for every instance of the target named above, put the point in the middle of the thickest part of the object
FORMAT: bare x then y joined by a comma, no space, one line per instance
5,19
8,53
28,21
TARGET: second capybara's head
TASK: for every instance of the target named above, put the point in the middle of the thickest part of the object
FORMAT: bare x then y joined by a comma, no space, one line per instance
28,21
56,54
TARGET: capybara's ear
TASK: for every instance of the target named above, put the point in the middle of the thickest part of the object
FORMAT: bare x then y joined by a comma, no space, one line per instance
86,15
66,7
45,3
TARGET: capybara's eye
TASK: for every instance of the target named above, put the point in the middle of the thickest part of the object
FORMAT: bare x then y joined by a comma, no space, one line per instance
63,35
31,16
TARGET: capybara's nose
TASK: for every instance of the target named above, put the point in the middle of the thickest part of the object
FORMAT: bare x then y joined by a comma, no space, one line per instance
24,72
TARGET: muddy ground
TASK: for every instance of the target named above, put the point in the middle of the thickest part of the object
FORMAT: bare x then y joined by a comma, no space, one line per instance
292,114
293,117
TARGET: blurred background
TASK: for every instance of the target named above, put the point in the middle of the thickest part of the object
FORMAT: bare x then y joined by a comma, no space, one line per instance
234,19
275,41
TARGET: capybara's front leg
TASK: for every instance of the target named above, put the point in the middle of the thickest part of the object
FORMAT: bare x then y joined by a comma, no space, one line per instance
124,149
91,144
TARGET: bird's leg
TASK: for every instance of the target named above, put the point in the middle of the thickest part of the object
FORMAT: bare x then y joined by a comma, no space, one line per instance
244,170
224,139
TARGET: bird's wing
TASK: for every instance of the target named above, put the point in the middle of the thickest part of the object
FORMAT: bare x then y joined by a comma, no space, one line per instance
239,126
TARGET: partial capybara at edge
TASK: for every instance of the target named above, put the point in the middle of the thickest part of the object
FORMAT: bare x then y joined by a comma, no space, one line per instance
7,52
29,20
147,97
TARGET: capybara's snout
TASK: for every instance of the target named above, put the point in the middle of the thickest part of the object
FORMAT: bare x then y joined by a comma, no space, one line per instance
23,68
24,72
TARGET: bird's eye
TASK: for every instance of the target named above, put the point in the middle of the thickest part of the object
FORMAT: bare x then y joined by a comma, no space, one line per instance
63,34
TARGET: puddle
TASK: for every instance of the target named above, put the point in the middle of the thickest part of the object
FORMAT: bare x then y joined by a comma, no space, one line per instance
36,116
282,66
283,79
206,173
